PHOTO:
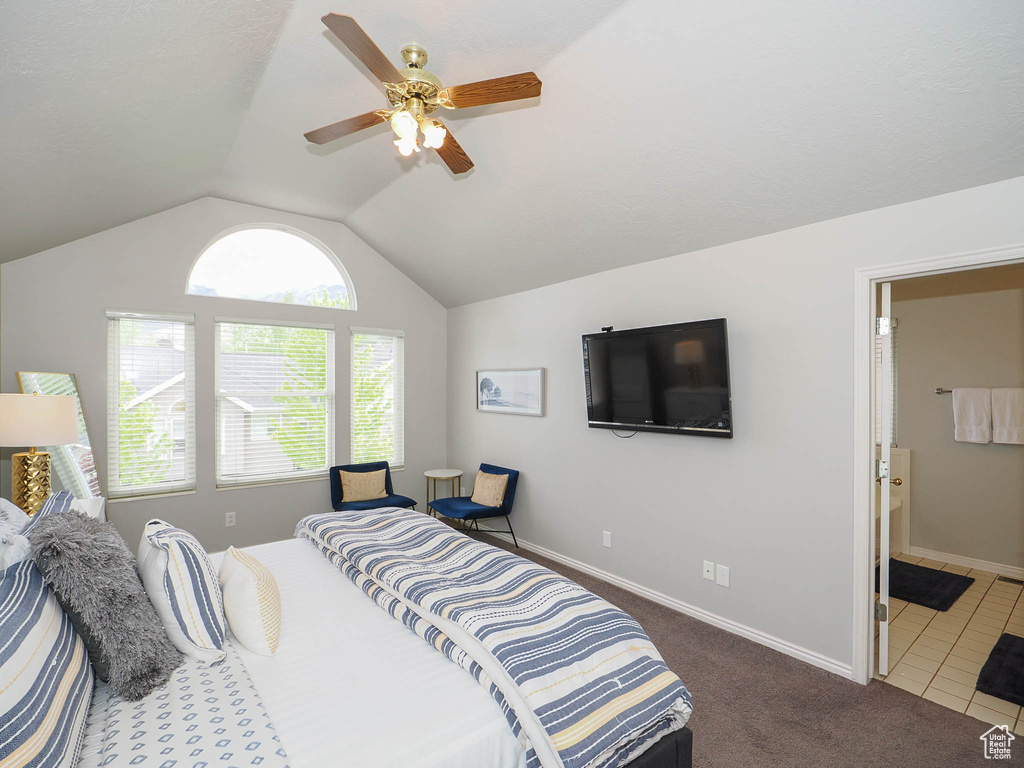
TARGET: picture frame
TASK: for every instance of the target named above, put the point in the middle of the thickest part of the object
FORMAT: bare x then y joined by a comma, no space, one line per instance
518,391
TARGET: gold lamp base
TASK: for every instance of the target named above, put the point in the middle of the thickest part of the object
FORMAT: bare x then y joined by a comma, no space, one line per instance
30,475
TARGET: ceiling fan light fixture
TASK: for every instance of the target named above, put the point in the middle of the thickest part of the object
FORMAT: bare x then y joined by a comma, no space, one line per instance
404,124
407,145
413,93
433,133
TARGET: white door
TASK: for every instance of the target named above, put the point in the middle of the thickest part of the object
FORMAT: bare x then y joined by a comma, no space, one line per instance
883,330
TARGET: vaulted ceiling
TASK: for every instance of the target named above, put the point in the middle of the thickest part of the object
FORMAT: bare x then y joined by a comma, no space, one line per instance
664,125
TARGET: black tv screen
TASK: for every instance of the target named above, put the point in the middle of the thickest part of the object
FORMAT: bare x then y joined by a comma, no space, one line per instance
667,378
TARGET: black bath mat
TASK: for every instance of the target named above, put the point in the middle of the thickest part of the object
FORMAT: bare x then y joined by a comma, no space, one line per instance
916,584
1003,673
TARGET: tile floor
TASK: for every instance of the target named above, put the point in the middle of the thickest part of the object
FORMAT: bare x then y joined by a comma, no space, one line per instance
938,655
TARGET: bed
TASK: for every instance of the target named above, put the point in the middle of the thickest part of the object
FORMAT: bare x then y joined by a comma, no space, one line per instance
348,686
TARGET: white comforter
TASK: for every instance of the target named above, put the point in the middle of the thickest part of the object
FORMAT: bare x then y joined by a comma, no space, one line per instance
350,686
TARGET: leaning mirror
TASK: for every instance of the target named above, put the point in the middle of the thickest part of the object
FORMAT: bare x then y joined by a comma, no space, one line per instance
72,463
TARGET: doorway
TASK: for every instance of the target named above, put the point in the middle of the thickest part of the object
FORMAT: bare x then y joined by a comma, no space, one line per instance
955,345
866,536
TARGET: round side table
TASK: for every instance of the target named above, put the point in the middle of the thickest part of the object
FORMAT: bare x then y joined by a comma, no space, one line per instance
453,476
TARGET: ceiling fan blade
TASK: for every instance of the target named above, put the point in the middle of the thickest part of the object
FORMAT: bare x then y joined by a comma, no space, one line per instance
454,156
344,128
352,35
510,88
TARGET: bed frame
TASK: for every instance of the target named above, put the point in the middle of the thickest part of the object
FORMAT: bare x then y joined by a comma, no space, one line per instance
675,750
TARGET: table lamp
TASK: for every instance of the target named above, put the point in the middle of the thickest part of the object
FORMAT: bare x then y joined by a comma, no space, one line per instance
31,420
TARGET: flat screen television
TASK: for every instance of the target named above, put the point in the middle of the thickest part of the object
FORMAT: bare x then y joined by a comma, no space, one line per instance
666,378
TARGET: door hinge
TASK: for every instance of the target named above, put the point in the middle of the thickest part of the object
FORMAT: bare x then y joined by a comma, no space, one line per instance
882,326
881,612
881,468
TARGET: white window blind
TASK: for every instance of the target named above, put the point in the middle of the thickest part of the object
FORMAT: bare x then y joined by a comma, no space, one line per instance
378,396
151,426
893,394
275,402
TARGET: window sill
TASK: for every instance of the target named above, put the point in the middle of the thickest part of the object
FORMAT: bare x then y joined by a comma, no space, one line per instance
148,496
267,483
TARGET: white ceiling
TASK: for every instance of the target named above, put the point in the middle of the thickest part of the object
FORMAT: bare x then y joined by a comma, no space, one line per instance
664,126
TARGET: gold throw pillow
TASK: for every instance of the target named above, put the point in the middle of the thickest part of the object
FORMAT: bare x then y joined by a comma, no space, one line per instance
362,486
489,489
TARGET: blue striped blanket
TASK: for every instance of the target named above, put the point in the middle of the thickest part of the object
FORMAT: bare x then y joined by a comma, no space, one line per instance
581,684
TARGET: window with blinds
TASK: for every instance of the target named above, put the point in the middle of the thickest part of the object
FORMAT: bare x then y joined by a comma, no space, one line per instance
151,429
880,395
275,402
378,396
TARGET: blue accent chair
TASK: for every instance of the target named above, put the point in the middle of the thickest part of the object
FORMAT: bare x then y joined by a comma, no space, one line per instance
464,509
391,500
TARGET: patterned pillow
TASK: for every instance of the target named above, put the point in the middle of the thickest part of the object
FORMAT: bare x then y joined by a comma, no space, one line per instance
182,585
45,679
252,601
12,519
363,486
489,489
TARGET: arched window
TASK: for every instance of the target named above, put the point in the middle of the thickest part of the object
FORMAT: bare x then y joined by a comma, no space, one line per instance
272,263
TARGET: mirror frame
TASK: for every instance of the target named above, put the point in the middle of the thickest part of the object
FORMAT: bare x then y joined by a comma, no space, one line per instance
81,412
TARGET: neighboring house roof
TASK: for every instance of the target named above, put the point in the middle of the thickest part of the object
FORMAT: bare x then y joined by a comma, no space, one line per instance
155,390
253,379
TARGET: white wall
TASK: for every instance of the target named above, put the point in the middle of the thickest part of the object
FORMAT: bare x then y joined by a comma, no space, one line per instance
968,499
53,319
775,503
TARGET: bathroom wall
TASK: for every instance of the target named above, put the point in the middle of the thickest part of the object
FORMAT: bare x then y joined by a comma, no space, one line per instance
961,330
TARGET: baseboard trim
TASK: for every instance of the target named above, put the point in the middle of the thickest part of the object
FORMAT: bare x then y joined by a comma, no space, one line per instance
783,646
969,562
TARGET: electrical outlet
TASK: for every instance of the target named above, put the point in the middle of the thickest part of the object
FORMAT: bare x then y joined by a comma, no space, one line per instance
229,519
709,570
722,575
607,540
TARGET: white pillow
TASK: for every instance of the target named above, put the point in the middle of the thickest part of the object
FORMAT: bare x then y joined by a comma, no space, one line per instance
12,519
252,601
182,585
14,550
94,507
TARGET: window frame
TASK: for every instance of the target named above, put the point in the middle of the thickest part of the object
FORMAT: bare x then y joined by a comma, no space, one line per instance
315,242
329,393
116,492
399,398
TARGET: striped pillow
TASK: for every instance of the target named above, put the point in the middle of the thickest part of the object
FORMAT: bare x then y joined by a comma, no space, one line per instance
182,585
45,679
54,504
252,601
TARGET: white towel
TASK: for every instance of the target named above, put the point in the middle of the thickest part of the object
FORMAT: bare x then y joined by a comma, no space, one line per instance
972,415
1008,416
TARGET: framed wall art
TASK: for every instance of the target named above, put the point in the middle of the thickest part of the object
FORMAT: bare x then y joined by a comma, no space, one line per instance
511,390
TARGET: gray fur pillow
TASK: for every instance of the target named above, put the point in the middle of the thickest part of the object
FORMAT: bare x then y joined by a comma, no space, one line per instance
94,576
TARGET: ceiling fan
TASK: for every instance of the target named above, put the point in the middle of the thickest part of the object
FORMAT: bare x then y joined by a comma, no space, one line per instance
415,93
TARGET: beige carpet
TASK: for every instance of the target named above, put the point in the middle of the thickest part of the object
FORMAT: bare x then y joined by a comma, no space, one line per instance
756,707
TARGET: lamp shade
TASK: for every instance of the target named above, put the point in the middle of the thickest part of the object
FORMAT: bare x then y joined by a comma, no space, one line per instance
30,420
